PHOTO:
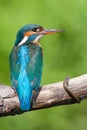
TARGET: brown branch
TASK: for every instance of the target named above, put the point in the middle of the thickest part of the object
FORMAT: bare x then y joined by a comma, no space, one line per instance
48,96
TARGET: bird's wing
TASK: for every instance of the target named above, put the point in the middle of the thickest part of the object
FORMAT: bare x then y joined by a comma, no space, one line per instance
34,68
14,67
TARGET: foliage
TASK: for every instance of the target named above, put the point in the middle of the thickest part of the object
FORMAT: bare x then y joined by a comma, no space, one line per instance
64,55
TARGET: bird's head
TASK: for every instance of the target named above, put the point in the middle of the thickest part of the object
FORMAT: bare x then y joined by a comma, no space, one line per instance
31,33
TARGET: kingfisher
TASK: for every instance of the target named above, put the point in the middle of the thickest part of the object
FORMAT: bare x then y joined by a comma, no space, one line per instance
26,62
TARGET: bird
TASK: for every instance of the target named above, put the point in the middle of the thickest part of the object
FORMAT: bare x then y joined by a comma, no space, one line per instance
26,62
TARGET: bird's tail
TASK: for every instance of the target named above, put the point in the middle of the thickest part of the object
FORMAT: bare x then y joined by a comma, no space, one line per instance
25,100
25,97
24,92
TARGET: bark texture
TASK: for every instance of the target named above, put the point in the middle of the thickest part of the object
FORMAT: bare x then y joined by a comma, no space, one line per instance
47,96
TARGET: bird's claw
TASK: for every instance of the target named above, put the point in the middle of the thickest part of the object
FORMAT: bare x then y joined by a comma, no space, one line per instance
1,101
66,87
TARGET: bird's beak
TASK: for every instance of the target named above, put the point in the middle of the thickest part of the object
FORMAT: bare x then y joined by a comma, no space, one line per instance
50,31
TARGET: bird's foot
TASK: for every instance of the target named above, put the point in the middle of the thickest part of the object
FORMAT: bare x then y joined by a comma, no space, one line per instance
66,87
35,94
1,101
15,93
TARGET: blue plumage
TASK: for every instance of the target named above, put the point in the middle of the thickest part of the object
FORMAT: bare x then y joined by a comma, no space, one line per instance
26,70
26,62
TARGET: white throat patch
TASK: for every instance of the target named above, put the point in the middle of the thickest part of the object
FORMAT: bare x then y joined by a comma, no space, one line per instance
23,41
37,38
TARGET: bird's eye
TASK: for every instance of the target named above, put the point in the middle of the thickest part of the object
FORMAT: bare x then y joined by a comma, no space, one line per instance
37,29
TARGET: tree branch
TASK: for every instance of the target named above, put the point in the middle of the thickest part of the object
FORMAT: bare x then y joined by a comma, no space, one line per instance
47,96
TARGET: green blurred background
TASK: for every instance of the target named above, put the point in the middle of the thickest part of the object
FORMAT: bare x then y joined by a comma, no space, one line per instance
65,55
